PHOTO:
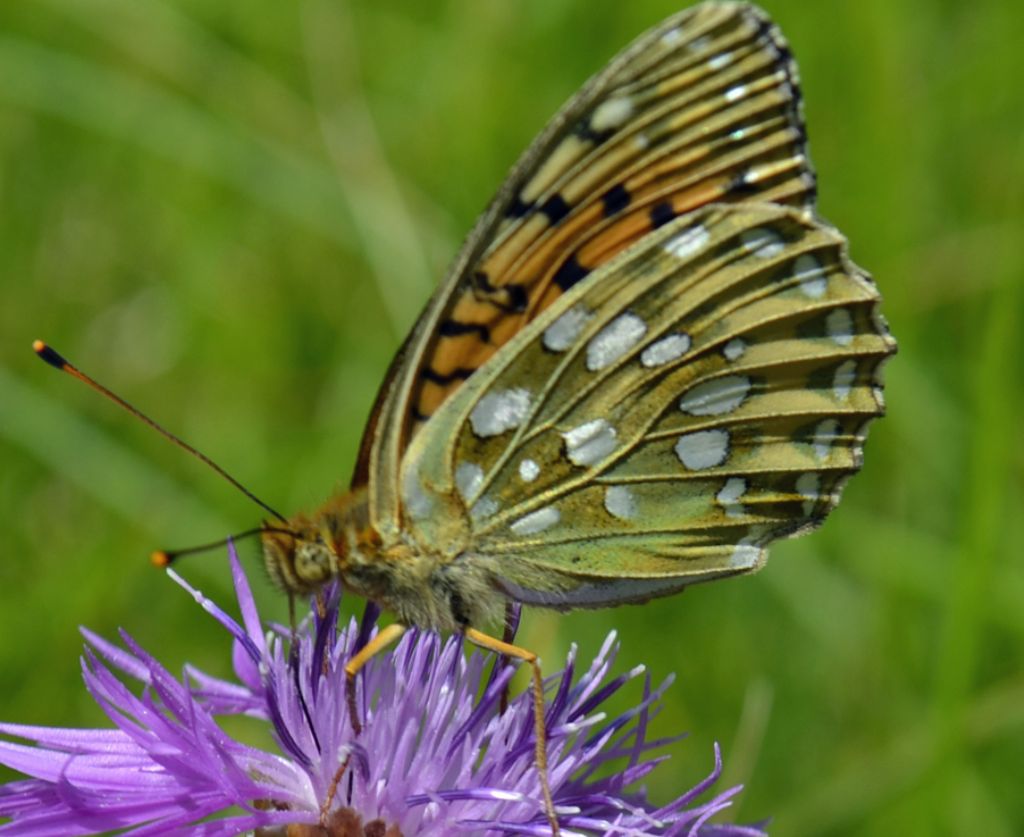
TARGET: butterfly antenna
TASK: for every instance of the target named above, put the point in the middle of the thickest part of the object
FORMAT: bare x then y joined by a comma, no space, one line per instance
165,557
57,361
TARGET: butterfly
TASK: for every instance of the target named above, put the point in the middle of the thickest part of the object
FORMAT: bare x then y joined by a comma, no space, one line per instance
650,359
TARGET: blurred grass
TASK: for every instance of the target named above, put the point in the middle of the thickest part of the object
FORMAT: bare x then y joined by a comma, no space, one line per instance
230,214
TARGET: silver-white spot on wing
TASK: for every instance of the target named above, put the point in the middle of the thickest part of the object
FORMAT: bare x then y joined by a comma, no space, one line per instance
734,349
719,61
716,397
418,504
498,412
809,271
824,435
843,380
562,333
736,93
619,502
589,443
763,243
538,521
667,349
673,37
468,478
839,327
688,242
529,470
808,486
614,340
730,495
612,114
484,507
745,556
703,449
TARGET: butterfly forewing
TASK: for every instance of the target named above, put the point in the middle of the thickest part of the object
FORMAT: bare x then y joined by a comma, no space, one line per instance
684,120
700,395
703,108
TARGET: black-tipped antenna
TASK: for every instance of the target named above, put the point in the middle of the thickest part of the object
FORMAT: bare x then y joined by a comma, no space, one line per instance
165,557
55,360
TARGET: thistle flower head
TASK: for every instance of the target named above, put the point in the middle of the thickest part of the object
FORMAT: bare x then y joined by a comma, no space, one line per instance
436,756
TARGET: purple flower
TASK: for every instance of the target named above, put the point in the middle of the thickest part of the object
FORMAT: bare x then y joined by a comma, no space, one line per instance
436,755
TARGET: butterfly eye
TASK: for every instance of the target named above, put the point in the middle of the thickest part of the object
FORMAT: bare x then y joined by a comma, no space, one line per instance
313,562
297,563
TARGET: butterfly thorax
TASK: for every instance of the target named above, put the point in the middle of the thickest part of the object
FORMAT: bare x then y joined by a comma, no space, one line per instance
421,585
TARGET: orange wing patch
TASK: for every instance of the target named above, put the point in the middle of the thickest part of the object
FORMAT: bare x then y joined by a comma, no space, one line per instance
712,118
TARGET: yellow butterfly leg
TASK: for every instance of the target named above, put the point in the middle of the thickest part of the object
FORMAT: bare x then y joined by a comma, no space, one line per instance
540,733
386,637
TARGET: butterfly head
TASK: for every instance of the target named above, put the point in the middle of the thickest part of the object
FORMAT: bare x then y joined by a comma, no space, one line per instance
302,557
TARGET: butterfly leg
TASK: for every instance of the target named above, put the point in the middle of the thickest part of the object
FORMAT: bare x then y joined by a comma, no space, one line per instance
540,732
332,790
386,637
508,635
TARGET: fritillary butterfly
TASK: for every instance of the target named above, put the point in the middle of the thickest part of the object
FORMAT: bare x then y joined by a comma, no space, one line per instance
649,360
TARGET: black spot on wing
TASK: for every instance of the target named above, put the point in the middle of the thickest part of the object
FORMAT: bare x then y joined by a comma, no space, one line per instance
615,200
455,328
764,27
460,373
556,209
585,131
515,297
661,213
518,208
569,273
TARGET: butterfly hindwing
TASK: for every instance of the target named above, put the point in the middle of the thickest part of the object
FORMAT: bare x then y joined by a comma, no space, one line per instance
704,107
700,395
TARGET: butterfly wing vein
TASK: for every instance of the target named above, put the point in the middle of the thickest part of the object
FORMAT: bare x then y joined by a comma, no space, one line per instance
650,358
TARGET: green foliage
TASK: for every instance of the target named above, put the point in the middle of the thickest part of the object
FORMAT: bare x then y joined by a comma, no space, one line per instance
231,212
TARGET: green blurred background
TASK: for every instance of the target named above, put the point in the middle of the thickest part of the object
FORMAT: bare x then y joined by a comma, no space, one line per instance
231,212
